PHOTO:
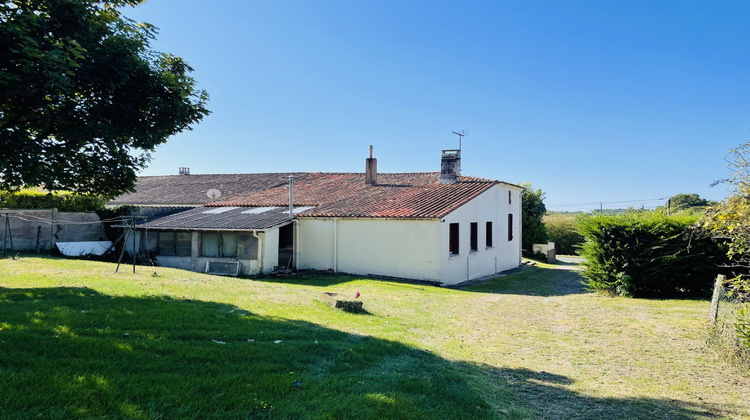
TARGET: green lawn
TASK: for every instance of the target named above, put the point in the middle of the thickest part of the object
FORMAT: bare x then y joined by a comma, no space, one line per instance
77,341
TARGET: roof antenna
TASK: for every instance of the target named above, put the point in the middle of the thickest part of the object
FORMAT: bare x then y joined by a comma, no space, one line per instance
460,137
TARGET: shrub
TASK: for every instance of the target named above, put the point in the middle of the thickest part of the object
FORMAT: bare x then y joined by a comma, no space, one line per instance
648,254
63,201
561,229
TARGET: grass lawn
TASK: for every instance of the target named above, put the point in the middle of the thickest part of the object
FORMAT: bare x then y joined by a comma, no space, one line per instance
77,341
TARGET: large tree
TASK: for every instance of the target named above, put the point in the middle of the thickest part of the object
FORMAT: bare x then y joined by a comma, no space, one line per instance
83,99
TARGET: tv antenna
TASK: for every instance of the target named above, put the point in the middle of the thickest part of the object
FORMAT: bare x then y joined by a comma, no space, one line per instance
213,194
460,137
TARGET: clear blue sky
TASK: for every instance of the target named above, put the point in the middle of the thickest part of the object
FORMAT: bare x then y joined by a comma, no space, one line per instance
620,102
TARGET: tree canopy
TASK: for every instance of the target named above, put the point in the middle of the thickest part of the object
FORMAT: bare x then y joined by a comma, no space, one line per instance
83,99
687,201
533,209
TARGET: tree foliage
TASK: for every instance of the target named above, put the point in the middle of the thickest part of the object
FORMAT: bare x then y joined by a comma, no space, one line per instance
730,220
83,98
686,201
561,229
533,209
63,201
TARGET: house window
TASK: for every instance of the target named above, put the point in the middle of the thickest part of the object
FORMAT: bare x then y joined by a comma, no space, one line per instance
488,235
175,243
453,241
509,198
183,243
218,244
510,226
247,247
474,239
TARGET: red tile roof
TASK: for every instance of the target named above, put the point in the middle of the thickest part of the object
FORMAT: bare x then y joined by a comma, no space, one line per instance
400,195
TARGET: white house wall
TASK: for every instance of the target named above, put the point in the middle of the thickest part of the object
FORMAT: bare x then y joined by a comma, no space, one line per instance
270,248
397,248
490,206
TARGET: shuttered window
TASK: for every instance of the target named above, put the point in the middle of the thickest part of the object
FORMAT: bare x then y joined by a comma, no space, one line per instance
510,226
474,238
453,240
488,235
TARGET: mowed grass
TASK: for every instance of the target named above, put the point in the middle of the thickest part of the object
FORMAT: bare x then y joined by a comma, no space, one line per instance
78,341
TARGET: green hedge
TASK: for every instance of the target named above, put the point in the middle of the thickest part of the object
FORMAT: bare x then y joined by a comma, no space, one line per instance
561,229
63,201
648,254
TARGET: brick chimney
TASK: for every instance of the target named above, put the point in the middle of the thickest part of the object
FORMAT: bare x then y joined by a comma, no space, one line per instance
371,169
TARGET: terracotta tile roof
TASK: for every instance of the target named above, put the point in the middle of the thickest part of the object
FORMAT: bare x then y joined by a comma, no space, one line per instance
399,195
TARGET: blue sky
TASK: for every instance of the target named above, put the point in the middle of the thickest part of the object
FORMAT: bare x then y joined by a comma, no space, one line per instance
620,102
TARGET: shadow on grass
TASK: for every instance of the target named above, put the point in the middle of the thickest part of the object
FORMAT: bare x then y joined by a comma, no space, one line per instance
77,353
534,281
305,278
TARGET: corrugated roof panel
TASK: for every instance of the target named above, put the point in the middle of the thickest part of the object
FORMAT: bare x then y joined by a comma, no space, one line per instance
219,210
259,210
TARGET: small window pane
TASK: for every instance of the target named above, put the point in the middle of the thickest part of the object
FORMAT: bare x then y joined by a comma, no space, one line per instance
210,244
229,244
184,244
247,247
166,243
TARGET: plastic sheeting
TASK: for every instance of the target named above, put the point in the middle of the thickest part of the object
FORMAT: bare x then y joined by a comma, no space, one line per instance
78,249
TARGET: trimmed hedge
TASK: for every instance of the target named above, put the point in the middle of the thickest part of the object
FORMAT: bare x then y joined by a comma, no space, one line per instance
648,254
63,201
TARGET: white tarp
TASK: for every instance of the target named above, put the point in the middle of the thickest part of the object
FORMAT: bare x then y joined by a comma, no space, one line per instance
78,249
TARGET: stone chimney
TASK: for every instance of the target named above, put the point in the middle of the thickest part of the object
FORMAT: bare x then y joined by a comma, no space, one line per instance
371,170
450,166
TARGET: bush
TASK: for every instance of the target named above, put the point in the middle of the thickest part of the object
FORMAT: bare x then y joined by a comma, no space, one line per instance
63,201
561,229
648,254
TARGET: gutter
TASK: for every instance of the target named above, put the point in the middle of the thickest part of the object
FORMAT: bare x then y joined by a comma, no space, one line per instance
335,244
296,243
260,250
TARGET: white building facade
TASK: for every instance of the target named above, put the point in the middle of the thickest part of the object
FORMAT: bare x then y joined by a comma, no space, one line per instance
478,239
